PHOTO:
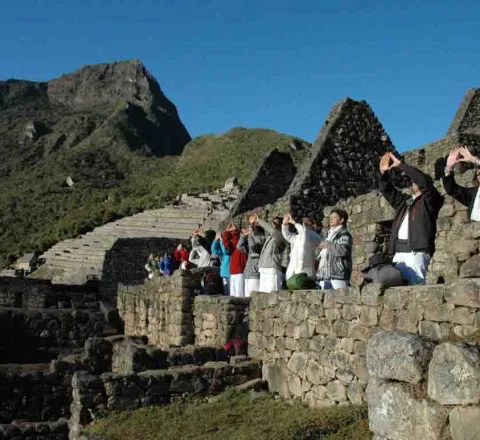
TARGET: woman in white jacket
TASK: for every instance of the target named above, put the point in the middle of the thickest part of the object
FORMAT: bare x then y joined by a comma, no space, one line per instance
303,246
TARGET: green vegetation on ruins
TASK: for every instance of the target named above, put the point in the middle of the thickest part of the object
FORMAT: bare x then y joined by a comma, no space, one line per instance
235,416
112,180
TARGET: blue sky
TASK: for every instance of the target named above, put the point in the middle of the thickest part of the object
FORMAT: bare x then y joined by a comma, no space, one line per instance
275,63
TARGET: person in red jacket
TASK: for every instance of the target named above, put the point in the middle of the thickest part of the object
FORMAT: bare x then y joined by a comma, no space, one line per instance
181,255
238,260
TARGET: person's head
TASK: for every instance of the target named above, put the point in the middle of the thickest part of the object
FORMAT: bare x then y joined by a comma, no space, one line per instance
307,221
415,189
277,222
338,217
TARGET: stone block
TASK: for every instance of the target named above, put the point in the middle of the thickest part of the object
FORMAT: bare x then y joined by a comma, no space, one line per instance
454,375
369,316
333,314
341,359
462,316
295,386
336,391
464,423
439,313
359,332
359,367
298,364
347,344
396,414
319,374
371,294
398,355
275,373
396,298
430,330
341,328
355,393
471,268
464,293
462,245
351,311
464,331
360,348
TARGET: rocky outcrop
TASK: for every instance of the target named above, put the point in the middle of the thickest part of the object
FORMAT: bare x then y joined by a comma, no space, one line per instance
105,103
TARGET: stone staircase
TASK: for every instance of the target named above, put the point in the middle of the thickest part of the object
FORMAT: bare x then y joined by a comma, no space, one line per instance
74,261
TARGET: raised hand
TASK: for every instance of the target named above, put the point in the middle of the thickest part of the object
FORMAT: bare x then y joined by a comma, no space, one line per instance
384,163
286,218
466,156
453,158
394,161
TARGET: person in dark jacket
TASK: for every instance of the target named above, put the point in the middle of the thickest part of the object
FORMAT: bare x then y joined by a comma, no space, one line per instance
466,196
412,237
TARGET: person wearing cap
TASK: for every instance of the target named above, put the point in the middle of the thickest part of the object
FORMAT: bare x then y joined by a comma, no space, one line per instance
469,197
412,237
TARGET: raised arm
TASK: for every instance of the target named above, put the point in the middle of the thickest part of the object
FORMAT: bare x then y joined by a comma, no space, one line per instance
393,195
463,194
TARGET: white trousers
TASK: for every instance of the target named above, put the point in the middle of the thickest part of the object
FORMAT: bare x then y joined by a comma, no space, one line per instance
270,280
237,285
251,285
333,284
412,265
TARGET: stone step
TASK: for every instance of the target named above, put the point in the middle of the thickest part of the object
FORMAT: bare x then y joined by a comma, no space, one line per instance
158,220
63,263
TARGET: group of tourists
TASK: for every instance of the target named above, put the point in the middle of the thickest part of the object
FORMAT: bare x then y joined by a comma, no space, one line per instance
300,253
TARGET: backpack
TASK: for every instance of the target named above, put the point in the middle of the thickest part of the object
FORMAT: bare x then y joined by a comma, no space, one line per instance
300,281
212,284
385,274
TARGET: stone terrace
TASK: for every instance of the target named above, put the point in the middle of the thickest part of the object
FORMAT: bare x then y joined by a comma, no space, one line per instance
77,260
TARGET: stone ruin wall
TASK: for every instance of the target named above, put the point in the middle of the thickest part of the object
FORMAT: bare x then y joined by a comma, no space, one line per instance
421,389
313,343
169,312
343,161
270,182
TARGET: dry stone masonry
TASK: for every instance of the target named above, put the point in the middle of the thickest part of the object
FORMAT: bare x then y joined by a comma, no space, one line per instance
313,343
438,400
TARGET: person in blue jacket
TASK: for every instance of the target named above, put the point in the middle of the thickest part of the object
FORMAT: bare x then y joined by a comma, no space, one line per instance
165,265
218,249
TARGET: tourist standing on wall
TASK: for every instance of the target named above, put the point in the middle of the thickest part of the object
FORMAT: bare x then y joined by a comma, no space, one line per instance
198,255
412,237
251,243
335,258
181,255
165,265
466,196
270,261
218,249
303,244
238,260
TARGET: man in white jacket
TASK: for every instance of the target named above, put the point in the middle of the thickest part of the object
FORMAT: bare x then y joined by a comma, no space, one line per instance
303,246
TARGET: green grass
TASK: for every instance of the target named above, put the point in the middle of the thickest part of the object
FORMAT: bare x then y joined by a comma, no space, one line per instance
235,416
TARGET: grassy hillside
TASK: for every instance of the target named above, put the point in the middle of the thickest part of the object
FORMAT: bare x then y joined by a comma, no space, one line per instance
111,181
235,416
